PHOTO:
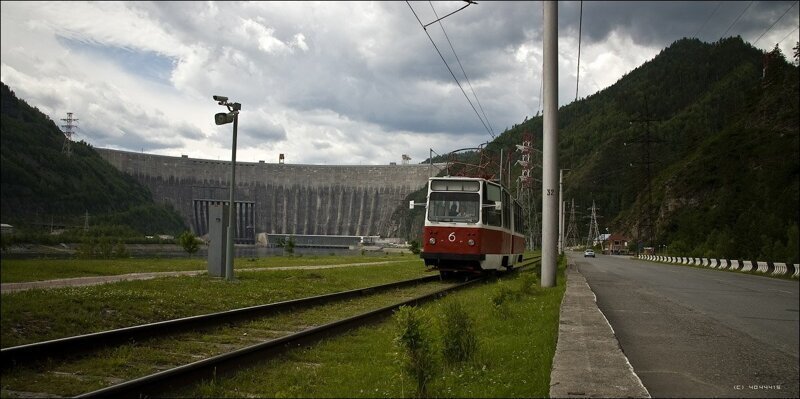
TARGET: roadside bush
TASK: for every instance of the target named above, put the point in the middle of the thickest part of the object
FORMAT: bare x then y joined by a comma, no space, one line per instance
188,241
288,245
459,341
529,284
121,251
414,247
104,248
502,298
415,345
86,249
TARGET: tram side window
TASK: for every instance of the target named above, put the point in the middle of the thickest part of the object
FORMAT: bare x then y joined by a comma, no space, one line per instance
519,220
491,216
506,210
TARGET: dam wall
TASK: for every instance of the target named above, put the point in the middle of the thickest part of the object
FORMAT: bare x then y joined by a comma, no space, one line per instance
281,198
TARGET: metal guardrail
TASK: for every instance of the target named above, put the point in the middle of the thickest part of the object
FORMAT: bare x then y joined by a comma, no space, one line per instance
771,268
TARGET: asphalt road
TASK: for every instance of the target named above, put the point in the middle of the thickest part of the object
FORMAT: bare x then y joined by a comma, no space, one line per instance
692,332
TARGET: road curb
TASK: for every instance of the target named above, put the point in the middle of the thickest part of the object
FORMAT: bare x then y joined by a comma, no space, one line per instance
588,361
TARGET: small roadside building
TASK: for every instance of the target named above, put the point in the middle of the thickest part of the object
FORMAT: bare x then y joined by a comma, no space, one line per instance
601,241
616,244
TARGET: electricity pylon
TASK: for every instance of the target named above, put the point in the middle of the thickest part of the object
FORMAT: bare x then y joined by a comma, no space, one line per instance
571,235
68,132
594,231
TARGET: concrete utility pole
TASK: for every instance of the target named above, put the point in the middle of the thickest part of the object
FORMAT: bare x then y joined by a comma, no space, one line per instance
561,205
550,195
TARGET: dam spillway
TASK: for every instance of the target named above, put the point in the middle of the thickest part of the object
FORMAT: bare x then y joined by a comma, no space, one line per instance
280,198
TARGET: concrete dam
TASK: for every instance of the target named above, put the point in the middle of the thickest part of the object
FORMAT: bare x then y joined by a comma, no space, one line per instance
279,198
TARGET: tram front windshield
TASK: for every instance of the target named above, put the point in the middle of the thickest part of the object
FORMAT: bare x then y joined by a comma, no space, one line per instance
454,207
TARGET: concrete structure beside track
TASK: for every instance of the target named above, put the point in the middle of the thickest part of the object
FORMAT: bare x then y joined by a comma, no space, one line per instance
350,200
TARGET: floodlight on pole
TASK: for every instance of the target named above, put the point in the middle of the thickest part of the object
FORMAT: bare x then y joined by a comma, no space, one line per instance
223,118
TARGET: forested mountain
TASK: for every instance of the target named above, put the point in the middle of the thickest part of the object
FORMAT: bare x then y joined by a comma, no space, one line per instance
723,147
41,185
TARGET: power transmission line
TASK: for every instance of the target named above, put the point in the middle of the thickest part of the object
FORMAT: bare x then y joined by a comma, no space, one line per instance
459,63
793,31
737,19
773,24
448,68
580,28
719,3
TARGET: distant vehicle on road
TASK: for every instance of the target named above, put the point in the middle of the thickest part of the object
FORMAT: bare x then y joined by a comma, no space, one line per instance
587,253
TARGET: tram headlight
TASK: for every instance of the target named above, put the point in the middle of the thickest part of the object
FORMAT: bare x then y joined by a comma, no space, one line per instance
471,242
432,241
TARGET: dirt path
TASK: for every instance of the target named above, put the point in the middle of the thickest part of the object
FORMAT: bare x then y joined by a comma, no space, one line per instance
95,280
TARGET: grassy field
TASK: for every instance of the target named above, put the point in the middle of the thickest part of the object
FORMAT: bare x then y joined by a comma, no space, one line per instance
37,315
516,344
515,322
70,377
21,270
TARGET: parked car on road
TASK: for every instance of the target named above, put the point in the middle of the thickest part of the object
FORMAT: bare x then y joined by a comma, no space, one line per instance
587,253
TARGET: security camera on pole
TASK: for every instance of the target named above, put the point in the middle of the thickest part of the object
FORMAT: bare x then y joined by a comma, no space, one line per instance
223,118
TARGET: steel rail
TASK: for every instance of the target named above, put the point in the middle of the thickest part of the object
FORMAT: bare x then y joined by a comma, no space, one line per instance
214,366
61,347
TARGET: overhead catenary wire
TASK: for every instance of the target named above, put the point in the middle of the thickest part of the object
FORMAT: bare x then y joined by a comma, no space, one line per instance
449,69
461,66
774,23
439,19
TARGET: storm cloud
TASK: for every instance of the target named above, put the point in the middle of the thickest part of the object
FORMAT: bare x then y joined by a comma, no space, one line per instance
335,82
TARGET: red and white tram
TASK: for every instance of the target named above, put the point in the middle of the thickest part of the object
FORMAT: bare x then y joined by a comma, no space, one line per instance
471,225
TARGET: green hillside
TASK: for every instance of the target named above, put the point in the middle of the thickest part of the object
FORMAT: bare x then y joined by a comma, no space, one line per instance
724,152
40,185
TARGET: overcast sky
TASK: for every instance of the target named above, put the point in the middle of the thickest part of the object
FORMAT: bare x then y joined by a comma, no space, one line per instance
334,82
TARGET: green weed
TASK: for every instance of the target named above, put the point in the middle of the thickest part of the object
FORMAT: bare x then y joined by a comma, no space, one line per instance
415,347
459,340
502,298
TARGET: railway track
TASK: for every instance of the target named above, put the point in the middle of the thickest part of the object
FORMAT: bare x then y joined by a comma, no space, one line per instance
57,348
229,361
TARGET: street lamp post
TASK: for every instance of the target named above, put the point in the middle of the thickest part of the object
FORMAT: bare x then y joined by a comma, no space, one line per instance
223,118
